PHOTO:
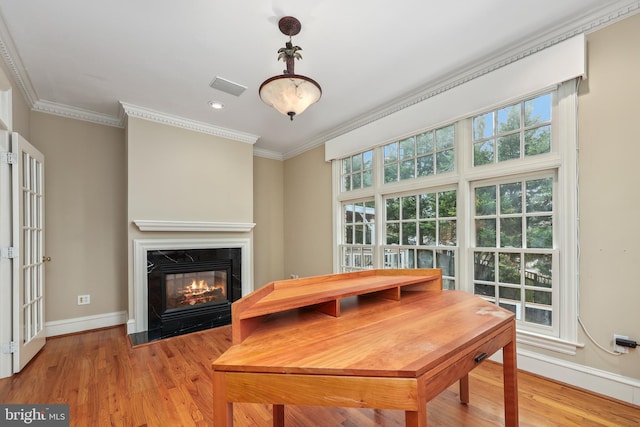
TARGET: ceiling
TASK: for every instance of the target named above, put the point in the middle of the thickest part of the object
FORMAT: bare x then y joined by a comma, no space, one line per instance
87,58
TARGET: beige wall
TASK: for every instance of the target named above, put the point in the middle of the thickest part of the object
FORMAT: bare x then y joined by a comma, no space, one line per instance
180,175
21,114
308,215
88,217
268,214
609,202
85,209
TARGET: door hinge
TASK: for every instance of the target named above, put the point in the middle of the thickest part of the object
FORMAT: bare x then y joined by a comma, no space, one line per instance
10,347
8,158
10,253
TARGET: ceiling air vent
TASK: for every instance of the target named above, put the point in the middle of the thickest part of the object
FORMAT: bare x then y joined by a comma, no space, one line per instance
227,86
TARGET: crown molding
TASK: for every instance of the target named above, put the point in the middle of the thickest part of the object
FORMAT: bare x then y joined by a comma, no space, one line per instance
167,119
267,154
14,64
77,113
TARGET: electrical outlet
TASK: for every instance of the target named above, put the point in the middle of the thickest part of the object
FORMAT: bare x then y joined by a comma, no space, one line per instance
84,299
619,348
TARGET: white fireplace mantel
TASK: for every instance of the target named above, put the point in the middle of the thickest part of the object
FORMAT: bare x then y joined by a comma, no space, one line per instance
162,225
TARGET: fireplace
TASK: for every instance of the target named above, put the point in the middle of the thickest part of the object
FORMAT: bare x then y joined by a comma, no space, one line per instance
214,261
191,289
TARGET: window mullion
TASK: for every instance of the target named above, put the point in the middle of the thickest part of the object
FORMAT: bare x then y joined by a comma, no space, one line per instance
378,182
466,213
336,205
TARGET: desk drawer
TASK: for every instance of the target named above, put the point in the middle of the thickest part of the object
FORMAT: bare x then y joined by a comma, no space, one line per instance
461,365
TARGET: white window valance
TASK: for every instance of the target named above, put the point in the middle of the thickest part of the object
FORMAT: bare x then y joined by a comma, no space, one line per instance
541,70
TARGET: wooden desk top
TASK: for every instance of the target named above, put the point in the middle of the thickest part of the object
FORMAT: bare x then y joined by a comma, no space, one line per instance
288,294
371,337
325,293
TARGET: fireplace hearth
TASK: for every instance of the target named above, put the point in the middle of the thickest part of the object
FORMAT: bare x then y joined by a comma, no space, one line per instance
190,290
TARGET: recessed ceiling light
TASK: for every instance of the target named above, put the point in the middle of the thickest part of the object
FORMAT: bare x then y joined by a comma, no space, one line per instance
216,105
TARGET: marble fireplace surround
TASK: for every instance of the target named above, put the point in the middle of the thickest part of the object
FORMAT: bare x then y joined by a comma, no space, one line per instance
241,238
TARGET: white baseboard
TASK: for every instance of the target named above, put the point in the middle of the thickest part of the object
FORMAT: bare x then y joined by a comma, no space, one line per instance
80,324
131,326
605,383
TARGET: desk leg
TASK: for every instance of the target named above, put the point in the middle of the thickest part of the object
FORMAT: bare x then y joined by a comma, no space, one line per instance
510,377
418,418
222,410
464,389
278,415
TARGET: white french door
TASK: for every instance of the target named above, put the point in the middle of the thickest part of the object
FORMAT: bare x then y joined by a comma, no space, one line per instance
28,262
6,263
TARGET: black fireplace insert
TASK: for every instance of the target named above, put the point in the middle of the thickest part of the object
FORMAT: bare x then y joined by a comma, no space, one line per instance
191,289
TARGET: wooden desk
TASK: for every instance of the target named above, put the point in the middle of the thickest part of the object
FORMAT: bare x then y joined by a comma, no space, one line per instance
388,339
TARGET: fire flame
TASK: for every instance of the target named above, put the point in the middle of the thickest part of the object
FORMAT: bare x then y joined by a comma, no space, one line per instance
200,285
196,292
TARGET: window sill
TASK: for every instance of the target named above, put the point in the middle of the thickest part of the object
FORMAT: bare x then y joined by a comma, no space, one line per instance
548,343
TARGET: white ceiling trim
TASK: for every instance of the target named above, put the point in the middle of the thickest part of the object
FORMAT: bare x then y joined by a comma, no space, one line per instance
180,122
268,154
77,113
14,63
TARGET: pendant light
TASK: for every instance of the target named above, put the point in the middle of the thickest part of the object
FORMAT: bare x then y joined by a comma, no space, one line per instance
290,93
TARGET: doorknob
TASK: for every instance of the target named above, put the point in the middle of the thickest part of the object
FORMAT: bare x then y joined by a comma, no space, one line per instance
46,258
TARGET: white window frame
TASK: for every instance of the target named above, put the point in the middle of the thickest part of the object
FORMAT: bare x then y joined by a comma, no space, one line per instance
361,246
562,159
554,330
383,246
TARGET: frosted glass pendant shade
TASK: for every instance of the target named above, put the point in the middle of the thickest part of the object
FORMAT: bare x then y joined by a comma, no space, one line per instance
290,94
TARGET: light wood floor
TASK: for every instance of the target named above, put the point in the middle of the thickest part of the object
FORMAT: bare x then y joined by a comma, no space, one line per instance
168,383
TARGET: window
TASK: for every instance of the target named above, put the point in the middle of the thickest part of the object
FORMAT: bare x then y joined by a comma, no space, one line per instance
357,171
513,132
420,232
358,235
513,250
490,199
420,155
